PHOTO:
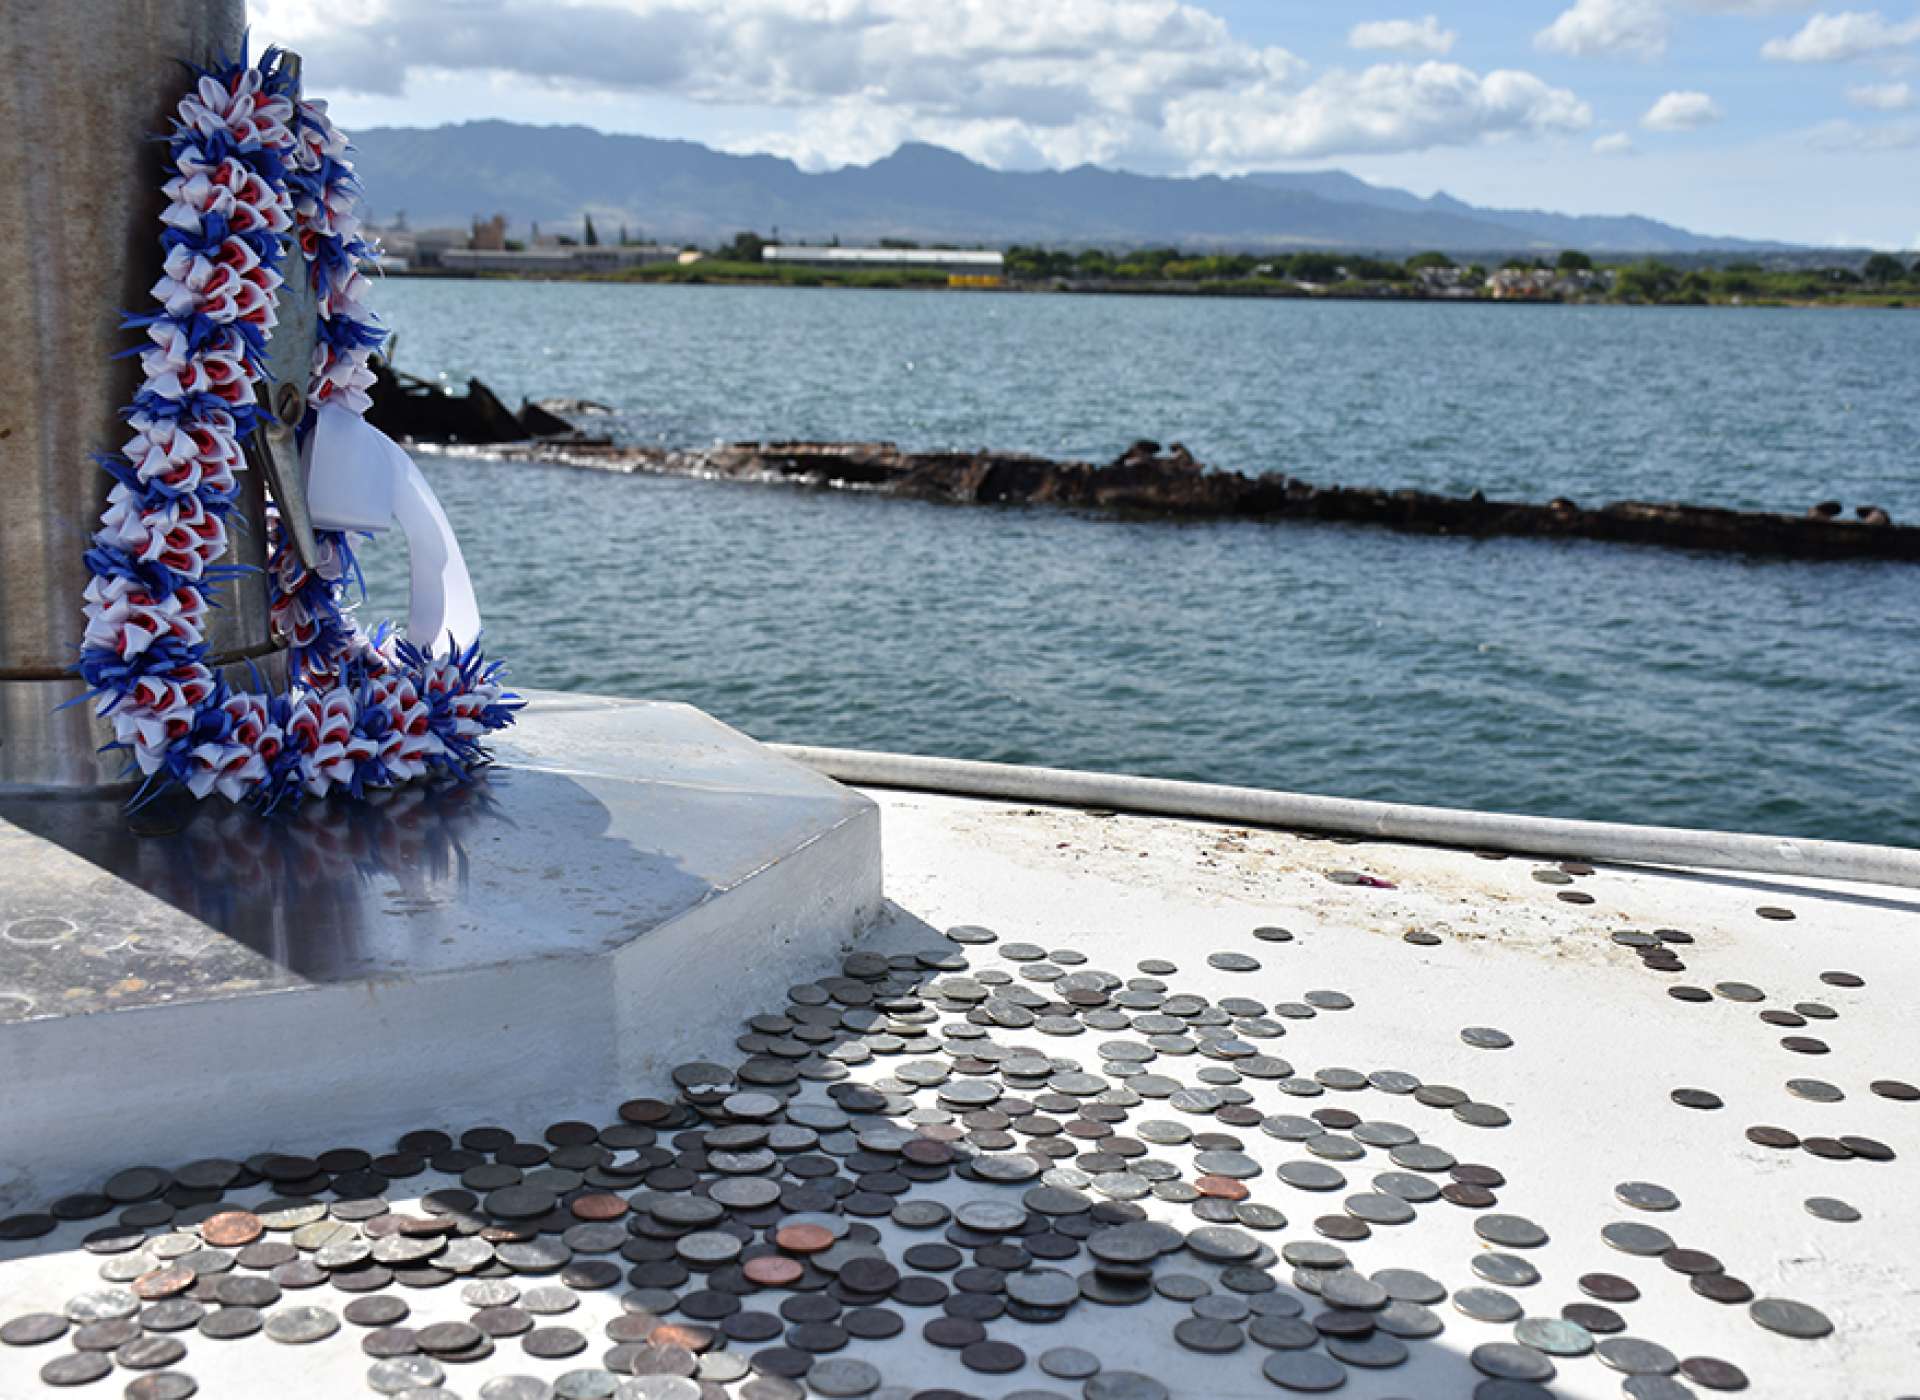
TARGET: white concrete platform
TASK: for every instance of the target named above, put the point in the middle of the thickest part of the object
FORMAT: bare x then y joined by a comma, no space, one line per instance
1598,1048
629,871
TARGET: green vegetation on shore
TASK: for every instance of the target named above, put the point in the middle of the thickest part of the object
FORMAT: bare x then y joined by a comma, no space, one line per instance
1570,276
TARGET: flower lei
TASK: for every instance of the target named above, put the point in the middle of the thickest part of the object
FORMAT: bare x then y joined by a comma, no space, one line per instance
250,161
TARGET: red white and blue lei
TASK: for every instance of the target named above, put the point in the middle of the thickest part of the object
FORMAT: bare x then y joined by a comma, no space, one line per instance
249,161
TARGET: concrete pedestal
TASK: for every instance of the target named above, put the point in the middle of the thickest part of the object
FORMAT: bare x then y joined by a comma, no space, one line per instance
630,882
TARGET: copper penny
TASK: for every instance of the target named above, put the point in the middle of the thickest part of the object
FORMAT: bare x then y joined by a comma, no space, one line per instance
680,1334
1224,1188
773,1271
600,1205
804,1239
164,1283
231,1228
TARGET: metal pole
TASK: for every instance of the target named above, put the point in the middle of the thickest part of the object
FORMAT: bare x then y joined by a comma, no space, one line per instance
1387,821
84,86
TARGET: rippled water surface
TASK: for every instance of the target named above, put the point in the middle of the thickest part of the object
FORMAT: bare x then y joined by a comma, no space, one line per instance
1567,678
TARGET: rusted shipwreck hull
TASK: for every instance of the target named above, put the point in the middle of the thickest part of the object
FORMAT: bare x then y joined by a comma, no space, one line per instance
1145,480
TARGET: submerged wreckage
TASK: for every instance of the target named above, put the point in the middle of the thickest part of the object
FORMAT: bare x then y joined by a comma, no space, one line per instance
1145,480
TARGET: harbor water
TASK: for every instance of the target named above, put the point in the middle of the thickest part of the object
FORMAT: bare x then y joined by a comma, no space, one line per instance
1567,678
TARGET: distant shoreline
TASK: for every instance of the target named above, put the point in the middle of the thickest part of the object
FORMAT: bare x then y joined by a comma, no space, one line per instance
689,275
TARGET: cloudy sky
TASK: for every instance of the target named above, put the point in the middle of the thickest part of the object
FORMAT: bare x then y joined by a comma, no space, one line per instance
1766,118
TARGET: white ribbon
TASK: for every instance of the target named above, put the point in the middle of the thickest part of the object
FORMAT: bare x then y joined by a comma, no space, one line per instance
358,478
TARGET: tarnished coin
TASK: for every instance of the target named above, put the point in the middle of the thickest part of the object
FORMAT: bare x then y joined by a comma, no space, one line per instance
162,1385
32,1329
1713,1373
553,1342
230,1324
76,1368
1486,1038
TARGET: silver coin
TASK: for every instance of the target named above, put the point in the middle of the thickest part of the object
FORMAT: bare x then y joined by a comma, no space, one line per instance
1335,1147
1510,1361
1403,1319
1509,1231
1069,1363
1407,1186
102,1305
1789,1318
1644,1195
398,1373
1182,1288
1636,1357
842,1376
1303,1371
1553,1335
1209,1335
549,1300
490,1293
1312,1254
1236,1165
1507,1270
723,1367
1283,1333
1123,1385
1378,1133
516,1388
1631,1237
1348,1288
1376,1351
1422,1157
1042,1288
1221,1244
991,1217
586,1383
1482,1115
1829,1208
663,1388
1656,1388
1486,1038
300,1325
1410,1285
1311,1176
1487,1304
1378,1209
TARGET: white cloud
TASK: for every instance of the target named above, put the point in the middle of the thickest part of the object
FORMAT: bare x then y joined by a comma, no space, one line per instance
1682,111
1388,107
1403,36
1837,38
1149,84
1637,28
1608,28
1843,135
1882,97
1616,143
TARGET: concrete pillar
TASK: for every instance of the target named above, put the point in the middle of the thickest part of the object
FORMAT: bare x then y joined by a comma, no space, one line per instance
84,87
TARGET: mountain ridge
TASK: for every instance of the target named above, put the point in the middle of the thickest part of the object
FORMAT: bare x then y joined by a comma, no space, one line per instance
678,190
